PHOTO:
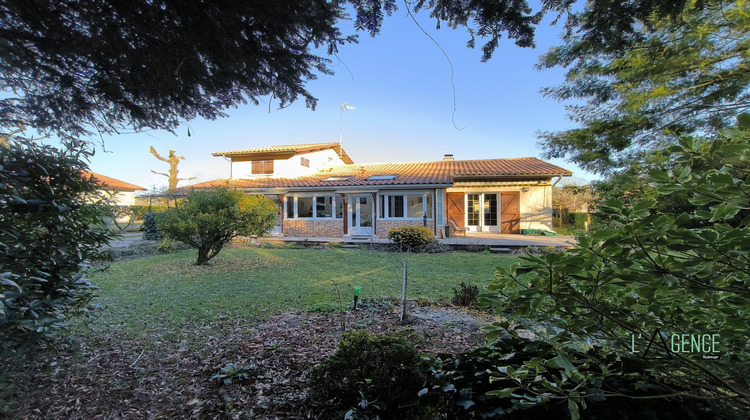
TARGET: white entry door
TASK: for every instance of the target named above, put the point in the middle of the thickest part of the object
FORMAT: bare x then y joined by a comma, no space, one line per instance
360,214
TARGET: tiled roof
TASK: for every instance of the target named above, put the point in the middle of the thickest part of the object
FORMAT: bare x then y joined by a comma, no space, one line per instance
112,183
289,150
409,173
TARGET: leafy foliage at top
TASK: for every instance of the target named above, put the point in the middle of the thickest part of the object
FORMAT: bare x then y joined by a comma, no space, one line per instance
210,218
51,227
73,66
654,276
687,73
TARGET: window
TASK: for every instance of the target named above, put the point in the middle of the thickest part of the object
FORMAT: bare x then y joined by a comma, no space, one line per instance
440,206
315,207
472,209
304,206
289,207
382,177
262,167
304,162
405,206
337,178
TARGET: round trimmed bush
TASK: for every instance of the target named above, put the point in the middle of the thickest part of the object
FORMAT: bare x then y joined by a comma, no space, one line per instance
411,238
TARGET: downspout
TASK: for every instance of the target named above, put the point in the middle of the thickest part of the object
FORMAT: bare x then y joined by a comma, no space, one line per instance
231,164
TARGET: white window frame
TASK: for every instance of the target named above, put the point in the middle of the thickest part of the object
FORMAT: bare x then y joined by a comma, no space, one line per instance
405,194
314,198
440,207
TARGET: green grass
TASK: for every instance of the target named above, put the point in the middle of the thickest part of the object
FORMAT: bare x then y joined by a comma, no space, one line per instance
252,283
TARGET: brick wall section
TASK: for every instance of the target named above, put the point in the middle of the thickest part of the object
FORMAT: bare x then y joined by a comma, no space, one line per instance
313,228
383,226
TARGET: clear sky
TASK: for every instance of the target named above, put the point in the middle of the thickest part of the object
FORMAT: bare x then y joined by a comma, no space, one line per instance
400,84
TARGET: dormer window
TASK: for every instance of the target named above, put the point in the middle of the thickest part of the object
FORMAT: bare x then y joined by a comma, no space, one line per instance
304,162
262,167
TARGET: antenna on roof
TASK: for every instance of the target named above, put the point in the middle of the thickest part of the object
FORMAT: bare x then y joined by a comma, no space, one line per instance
344,107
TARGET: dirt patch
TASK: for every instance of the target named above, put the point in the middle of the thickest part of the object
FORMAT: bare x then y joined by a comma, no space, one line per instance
225,369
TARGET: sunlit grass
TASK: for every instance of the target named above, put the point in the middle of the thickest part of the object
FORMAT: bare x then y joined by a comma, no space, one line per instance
252,283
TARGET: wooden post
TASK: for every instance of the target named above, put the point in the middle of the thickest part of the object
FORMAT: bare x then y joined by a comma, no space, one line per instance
403,294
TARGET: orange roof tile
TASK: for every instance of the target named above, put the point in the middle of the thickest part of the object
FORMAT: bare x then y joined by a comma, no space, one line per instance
112,183
409,173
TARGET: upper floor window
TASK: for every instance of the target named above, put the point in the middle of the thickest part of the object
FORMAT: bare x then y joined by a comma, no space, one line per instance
262,167
305,162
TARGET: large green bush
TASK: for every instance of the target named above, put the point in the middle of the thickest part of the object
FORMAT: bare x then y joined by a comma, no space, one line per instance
51,227
210,218
411,238
653,284
381,375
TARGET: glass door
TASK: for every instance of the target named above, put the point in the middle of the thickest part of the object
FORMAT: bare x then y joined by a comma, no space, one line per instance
361,212
482,212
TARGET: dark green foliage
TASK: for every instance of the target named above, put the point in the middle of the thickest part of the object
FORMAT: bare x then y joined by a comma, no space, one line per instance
685,275
522,379
74,66
466,295
51,226
150,226
578,220
411,238
668,74
140,211
210,218
386,371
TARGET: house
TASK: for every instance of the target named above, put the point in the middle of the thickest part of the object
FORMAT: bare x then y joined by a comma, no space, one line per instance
321,192
121,193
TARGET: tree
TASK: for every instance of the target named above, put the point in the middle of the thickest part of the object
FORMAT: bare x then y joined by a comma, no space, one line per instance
572,196
51,229
75,66
684,74
210,218
173,160
653,285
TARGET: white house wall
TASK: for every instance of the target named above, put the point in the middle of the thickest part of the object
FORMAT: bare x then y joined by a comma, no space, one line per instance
292,167
535,204
120,198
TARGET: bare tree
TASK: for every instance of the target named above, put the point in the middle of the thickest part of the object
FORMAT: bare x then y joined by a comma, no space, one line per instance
173,160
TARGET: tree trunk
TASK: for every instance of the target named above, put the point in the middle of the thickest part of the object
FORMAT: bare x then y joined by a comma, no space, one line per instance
203,257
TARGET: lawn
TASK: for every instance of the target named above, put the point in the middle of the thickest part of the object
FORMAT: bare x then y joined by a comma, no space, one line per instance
167,327
252,283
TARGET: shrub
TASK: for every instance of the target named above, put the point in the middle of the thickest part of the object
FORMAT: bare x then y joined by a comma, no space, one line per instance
210,218
466,295
381,374
150,227
139,211
578,220
411,238
519,378
51,226
650,274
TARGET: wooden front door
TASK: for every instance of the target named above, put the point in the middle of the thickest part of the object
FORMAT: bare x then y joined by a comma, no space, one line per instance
511,212
455,211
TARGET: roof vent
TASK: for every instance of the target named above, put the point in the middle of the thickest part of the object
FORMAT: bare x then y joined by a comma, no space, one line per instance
448,156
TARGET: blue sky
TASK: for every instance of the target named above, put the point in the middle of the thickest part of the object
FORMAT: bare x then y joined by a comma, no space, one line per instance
400,84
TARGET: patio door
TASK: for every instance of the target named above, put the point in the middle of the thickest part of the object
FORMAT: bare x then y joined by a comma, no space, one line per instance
482,212
360,212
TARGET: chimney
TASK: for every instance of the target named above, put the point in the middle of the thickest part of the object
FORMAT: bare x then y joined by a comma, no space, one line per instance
448,156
